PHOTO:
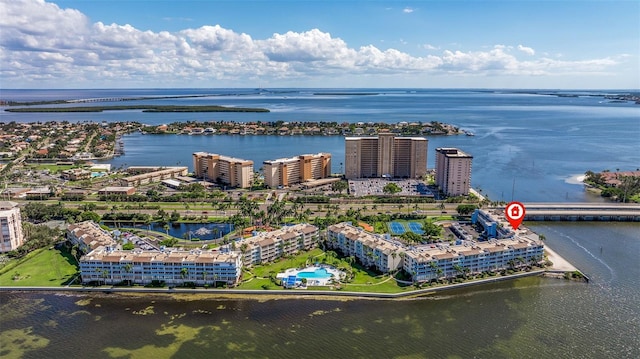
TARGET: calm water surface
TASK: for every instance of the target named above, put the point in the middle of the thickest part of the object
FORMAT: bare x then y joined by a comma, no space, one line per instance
525,318
540,143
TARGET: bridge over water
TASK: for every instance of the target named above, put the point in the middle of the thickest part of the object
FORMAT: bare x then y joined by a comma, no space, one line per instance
606,212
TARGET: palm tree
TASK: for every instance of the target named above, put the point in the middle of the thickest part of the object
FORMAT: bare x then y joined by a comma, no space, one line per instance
243,248
458,269
184,272
105,274
127,268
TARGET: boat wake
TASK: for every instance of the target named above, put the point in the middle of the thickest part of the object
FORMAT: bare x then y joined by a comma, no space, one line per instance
574,241
575,179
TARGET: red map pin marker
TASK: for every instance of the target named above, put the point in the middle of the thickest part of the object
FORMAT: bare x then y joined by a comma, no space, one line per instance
515,214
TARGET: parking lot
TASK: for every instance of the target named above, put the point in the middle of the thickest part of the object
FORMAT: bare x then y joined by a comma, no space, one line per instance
375,186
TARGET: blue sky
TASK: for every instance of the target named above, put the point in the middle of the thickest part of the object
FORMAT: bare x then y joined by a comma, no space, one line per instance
480,44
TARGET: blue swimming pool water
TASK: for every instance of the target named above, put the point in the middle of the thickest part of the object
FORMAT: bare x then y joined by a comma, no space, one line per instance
319,273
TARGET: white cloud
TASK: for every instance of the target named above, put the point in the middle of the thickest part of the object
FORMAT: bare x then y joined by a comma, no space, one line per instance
408,10
49,46
526,50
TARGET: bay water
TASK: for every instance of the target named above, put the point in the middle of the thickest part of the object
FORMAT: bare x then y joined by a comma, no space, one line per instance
530,144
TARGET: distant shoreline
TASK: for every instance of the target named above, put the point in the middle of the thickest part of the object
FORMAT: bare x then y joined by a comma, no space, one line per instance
144,108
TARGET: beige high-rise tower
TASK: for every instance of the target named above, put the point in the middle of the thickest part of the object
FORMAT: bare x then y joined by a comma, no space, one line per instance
385,156
288,171
453,171
213,167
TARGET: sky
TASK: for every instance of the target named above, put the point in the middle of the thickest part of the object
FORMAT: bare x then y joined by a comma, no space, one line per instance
542,44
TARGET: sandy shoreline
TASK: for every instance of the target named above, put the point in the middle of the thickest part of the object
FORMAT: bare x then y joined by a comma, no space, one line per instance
559,263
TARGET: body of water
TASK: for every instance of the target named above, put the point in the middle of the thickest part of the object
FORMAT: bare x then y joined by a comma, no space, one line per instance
533,145
525,318
539,142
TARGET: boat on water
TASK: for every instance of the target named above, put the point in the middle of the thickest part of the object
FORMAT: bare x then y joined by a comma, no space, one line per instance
469,133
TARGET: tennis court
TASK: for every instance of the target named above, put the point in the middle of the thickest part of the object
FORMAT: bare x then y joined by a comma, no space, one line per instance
396,228
416,227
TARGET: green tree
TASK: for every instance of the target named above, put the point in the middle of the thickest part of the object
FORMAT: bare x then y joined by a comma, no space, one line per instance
391,188
339,186
466,209
411,237
431,229
128,268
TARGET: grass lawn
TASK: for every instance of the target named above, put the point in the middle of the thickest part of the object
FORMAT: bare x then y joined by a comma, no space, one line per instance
47,267
284,264
364,280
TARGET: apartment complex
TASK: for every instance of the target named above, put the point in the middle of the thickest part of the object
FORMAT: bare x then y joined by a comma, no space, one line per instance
76,174
453,171
88,235
369,249
269,246
116,191
231,171
104,265
11,236
493,255
385,156
425,263
288,171
493,222
144,175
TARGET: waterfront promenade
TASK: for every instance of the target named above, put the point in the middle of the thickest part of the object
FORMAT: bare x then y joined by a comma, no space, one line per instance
254,294
560,266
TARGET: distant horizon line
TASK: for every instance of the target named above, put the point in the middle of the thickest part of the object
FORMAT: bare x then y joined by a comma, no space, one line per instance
332,88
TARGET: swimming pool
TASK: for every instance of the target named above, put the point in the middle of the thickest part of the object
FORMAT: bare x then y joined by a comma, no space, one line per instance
311,276
319,273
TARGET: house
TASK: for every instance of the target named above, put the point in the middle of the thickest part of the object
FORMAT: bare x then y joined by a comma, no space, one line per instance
122,191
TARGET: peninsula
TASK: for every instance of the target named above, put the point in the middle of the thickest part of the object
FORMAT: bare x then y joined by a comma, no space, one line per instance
66,141
144,108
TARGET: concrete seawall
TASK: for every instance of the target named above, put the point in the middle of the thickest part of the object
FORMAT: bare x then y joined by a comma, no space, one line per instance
283,293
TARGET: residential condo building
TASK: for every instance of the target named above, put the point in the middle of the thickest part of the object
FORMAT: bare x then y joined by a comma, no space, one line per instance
88,235
490,256
493,222
269,246
11,236
424,263
176,267
453,171
231,171
385,156
288,171
144,175
369,249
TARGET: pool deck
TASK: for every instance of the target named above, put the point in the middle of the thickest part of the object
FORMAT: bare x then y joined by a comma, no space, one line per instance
312,281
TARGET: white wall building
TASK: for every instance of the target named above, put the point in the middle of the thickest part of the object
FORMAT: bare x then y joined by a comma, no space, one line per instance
174,267
11,236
